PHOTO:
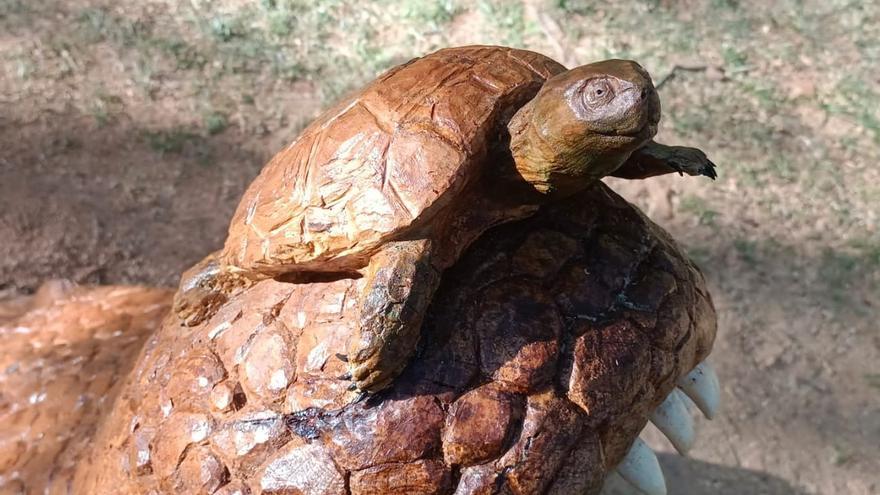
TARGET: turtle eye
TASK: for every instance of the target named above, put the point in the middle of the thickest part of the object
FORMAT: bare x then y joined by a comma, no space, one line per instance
597,92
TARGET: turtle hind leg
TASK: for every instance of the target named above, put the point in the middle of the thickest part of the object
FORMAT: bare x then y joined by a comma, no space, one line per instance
398,287
203,289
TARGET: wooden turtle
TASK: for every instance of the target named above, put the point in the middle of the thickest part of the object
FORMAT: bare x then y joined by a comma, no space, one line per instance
394,182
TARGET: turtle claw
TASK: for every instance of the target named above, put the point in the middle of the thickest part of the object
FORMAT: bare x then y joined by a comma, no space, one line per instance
364,397
678,168
692,161
198,297
206,287
709,170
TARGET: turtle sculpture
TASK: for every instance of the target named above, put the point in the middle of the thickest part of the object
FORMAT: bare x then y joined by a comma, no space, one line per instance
546,349
393,183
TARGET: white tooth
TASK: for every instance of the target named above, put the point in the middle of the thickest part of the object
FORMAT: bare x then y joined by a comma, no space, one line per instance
701,385
641,469
674,420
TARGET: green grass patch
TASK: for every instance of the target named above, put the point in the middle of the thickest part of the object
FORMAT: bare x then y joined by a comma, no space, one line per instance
698,206
844,271
183,142
24,68
856,99
688,121
433,14
215,123
225,29
841,456
735,58
8,8
507,17
776,166
185,55
98,24
104,107
748,250
576,7
170,141
701,255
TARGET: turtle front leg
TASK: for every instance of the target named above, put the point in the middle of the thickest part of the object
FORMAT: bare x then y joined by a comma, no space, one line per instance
654,159
399,284
203,289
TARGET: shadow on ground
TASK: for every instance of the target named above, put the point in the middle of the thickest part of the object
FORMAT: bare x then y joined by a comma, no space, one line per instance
686,476
113,203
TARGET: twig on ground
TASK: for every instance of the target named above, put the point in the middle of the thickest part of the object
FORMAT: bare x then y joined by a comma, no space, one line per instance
676,68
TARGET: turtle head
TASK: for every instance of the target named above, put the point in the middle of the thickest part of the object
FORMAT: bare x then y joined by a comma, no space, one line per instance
583,124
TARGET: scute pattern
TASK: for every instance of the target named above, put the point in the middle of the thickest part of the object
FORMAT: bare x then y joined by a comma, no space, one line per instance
381,161
65,353
589,311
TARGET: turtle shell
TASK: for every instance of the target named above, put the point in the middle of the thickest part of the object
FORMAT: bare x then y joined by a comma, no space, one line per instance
66,352
545,350
382,162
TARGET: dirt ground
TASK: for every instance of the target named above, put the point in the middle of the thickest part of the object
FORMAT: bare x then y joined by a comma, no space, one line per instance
129,129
